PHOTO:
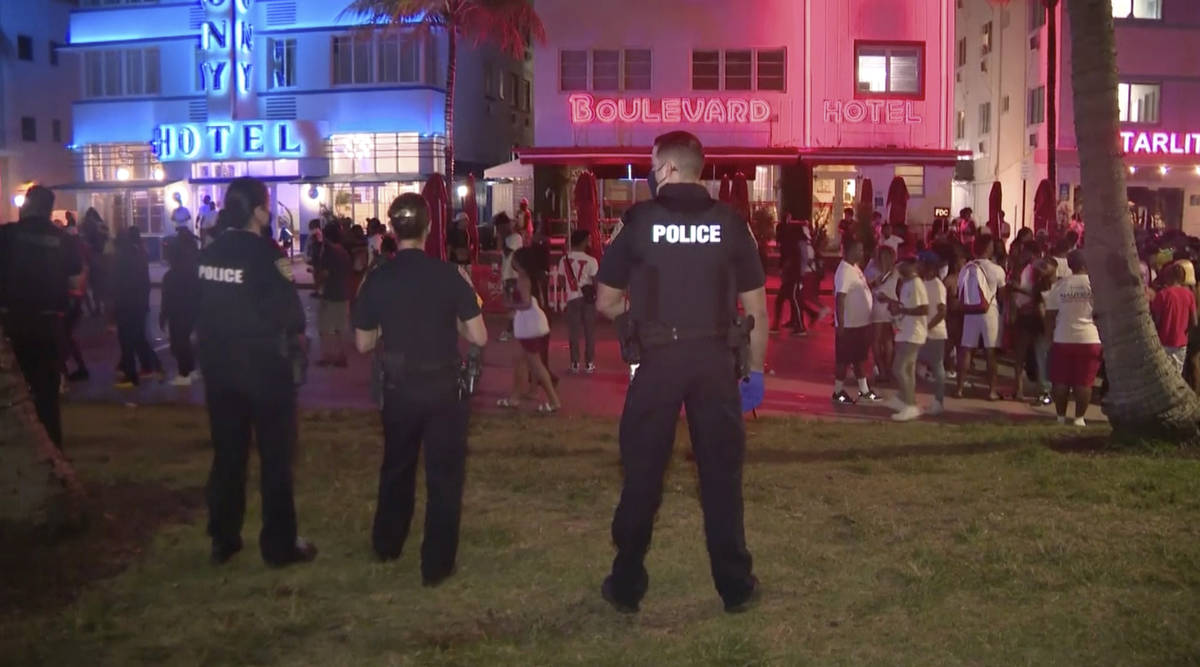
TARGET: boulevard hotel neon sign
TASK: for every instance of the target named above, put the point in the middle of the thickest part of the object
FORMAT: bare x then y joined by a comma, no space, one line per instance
1161,143
588,109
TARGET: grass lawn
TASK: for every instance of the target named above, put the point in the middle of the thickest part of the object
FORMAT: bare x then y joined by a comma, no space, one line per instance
876,544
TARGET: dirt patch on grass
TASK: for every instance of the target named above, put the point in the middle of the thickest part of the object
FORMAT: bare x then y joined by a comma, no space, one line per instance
40,574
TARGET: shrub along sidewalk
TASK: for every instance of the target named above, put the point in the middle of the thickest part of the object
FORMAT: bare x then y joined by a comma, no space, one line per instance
876,544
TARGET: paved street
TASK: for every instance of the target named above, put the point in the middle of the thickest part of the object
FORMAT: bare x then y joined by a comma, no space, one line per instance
799,370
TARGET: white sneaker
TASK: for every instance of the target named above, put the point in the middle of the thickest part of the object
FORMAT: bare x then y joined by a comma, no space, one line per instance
505,336
909,413
591,368
895,404
1079,422
181,381
935,408
951,375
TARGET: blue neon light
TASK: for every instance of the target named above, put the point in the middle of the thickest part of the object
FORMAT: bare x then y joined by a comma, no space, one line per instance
246,140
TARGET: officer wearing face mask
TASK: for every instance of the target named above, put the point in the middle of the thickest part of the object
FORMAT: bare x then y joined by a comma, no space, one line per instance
250,327
685,261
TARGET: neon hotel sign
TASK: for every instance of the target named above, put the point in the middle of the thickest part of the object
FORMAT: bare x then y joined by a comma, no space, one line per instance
1161,143
732,110
223,43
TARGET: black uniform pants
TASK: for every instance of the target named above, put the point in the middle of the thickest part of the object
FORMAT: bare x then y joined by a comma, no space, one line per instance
789,294
417,414
235,413
70,346
135,347
180,332
698,375
40,362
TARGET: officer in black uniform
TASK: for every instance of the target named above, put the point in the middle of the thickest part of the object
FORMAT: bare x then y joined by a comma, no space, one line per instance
37,260
685,261
419,306
250,327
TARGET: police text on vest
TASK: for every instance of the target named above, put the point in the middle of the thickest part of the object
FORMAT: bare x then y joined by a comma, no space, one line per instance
221,274
686,233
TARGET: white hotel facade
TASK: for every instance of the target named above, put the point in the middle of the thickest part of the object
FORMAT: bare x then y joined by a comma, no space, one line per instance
180,97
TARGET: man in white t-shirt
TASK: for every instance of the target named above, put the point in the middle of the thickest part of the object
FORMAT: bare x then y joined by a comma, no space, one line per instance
579,268
882,277
980,289
933,352
911,311
1075,354
853,325
890,239
1061,248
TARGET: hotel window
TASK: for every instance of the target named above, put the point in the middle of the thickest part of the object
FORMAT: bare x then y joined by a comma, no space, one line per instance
56,130
889,69
739,68
572,70
706,70
28,129
1137,9
606,70
514,87
399,58
962,52
1138,102
351,60
25,47
637,69
960,125
914,178
526,95
985,117
1036,113
1037,15
501,91
985,46
121,73
283,63
771,69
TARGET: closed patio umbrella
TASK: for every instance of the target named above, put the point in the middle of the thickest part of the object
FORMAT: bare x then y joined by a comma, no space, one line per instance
995,203
724,193
471,208
436,197
587,216
897,202
1044,208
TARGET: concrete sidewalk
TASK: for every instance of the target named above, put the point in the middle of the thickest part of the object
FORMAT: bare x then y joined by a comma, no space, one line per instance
799,381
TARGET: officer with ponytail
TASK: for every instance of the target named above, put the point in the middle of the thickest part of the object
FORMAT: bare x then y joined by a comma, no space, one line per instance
412,310
250,329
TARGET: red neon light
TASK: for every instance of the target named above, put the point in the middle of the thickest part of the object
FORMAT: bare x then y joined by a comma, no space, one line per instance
1161,143
886,112
588,109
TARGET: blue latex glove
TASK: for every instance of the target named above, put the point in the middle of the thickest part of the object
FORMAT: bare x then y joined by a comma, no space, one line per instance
752,391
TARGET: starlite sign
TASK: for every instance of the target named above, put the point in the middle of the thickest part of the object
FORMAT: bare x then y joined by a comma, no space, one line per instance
237,140
696,110
1161,143
226,43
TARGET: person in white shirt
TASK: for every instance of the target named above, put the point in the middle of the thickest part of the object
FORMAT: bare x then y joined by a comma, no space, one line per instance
513,242
1061,248
911,311
853,325
980,288
891,239
181,216
1075,355
579,269
933,352
882,277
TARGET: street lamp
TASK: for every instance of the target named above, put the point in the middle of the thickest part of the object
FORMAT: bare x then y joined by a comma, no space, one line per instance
462,192
19,200
122,174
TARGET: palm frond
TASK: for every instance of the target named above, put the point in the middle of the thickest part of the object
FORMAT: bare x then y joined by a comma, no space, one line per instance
422,14
510,25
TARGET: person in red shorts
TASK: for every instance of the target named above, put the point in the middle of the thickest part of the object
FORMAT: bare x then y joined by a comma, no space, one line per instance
1174,311
1075,353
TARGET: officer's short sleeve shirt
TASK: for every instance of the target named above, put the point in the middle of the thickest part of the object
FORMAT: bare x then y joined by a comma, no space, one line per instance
417,301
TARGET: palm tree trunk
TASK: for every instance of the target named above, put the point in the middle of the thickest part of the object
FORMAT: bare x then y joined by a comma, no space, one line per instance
1148,398
38,486
451,74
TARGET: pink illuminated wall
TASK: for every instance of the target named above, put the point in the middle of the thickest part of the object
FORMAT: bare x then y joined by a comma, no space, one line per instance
819,108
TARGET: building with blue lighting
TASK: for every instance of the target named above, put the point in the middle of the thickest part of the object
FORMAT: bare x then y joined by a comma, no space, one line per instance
180,97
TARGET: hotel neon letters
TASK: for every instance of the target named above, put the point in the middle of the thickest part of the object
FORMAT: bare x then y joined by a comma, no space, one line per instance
1161,143
588,109
248,140
215,42
876,112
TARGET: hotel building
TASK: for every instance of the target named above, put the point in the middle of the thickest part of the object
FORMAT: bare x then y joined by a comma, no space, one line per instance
1002,59
180,97
805,97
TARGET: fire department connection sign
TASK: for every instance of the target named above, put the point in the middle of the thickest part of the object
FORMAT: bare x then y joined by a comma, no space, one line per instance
707,110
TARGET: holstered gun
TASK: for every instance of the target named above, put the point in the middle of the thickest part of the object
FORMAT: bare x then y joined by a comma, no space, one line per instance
739,343
469,373
295,350
628,339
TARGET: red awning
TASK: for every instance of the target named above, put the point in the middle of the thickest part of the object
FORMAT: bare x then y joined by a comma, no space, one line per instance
640,156
859,156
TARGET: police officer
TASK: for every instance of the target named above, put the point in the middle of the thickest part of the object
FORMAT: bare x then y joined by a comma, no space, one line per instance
250,327
413,308
37,261
685,260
